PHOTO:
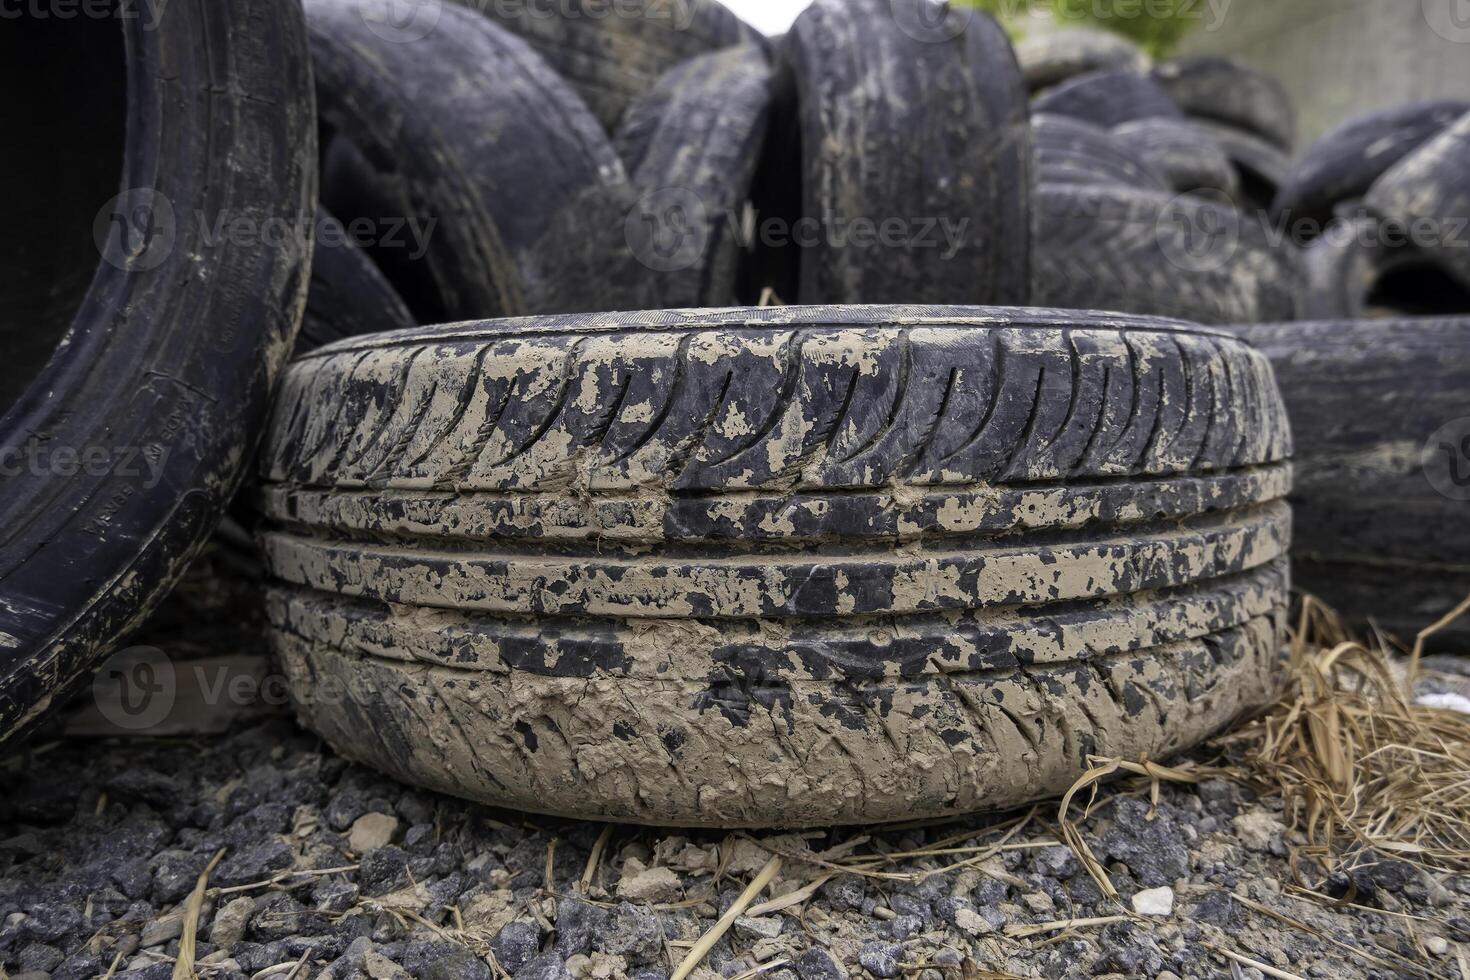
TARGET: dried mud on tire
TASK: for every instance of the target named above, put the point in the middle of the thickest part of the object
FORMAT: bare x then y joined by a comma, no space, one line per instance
776,567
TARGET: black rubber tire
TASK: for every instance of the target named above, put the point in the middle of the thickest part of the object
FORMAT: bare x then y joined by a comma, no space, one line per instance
1260,167
348,296
692,145
908,157
768,567
1181,150
170,357
1352,271
1431,187
1070,151
612,54
1108,99
1368,400
1055,56
456,127
1345,162
1115,248
1226,91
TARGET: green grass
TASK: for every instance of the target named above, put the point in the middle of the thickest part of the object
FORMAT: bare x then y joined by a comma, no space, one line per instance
1157,26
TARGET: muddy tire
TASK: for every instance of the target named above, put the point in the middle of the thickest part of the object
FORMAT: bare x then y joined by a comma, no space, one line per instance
172,341
1379,416
454,127
1115,248
692,145
1344,163
1431,188
612,54
348,296
776,567
1225,91
962,162
1070,151
1055,56
1108,99
1181,150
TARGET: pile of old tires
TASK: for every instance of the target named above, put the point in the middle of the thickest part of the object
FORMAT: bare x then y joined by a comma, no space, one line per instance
822,431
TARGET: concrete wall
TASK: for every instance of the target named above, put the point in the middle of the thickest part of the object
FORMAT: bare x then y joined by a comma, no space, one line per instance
1340,57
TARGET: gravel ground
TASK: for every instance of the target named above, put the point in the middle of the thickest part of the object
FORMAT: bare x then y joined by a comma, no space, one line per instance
331,870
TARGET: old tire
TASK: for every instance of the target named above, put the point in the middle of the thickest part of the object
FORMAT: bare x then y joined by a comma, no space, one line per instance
1181,150
1345,162
1225,91
1055,56
455,127
1355,270
1378,412
1430,188
776,567
692,145
1108,99
1070,151
172,343
612,54
348,295
1115,248
1260,167
930,165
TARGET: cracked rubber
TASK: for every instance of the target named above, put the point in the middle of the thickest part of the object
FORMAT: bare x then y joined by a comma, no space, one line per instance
1226,91
693,142
1115,248
348,295
168,363
611,54
1183,152
1345,162
879,147
456,127
1374,538
1108,99
1070,151
780,567
1055,56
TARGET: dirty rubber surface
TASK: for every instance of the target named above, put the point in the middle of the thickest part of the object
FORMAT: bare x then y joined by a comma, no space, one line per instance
100,842
776,567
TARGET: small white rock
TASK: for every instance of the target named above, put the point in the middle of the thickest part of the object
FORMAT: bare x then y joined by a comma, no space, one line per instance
1436,945
1154,901
762,927
229,923
640,884
1445,702
972,922
371,831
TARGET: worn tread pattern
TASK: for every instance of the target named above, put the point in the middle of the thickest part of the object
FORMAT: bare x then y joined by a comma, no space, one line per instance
695,141
907,561
1108,99
1226,91
1374,537
1070,151
613,54
1183,152
878,147
1260,166
1114,248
